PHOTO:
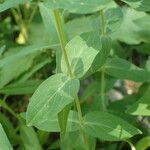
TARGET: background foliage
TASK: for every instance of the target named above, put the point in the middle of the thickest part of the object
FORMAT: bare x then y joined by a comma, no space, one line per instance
74,74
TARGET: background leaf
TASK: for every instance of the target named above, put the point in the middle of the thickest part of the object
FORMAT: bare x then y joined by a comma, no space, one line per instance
13,65
140,5
49,22
27,87
123,69
9,4
142,106
4,142
29,137
108,127
81,6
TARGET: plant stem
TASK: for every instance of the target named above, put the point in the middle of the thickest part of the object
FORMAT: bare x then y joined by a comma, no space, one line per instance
62,40
32,15
5,106
102,22
84,135
102,92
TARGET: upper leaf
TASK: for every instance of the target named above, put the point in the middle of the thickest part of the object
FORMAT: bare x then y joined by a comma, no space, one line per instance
80,56
142,106
123,69
51,97
4,142
113,19
103,44
11,3
131,32
81,6
141,5
108,127
49,22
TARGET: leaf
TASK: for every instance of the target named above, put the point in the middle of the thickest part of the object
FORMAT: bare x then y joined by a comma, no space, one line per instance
108,127
131,32
78,25
140,5
29,137
62,119
143,143
94,88
142,106
2,49
114,18
74,141
34,69
101,57
80,56
4,142
27,87
8,127
123,69
118,108
11,65
11,3
51,124
51,97
49,22
81,6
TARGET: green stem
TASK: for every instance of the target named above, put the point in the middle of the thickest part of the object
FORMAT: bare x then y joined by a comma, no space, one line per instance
63,42
32,15
5,106
102,92
102,22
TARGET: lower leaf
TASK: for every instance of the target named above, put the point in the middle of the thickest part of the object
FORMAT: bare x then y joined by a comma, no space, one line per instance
108,127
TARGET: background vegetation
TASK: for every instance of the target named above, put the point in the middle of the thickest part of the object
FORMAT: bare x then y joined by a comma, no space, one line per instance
114,72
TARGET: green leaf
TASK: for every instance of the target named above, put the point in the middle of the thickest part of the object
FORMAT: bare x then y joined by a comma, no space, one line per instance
2,49
11,65
27,87
103,54
49,22
81,6
123,69
140,5
74,141
80,56
8,127
113,19
4,142
51,124
51,97
142,106
131,32
78,25
62,119
34,69
143,143
29,137
108,127
9,4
